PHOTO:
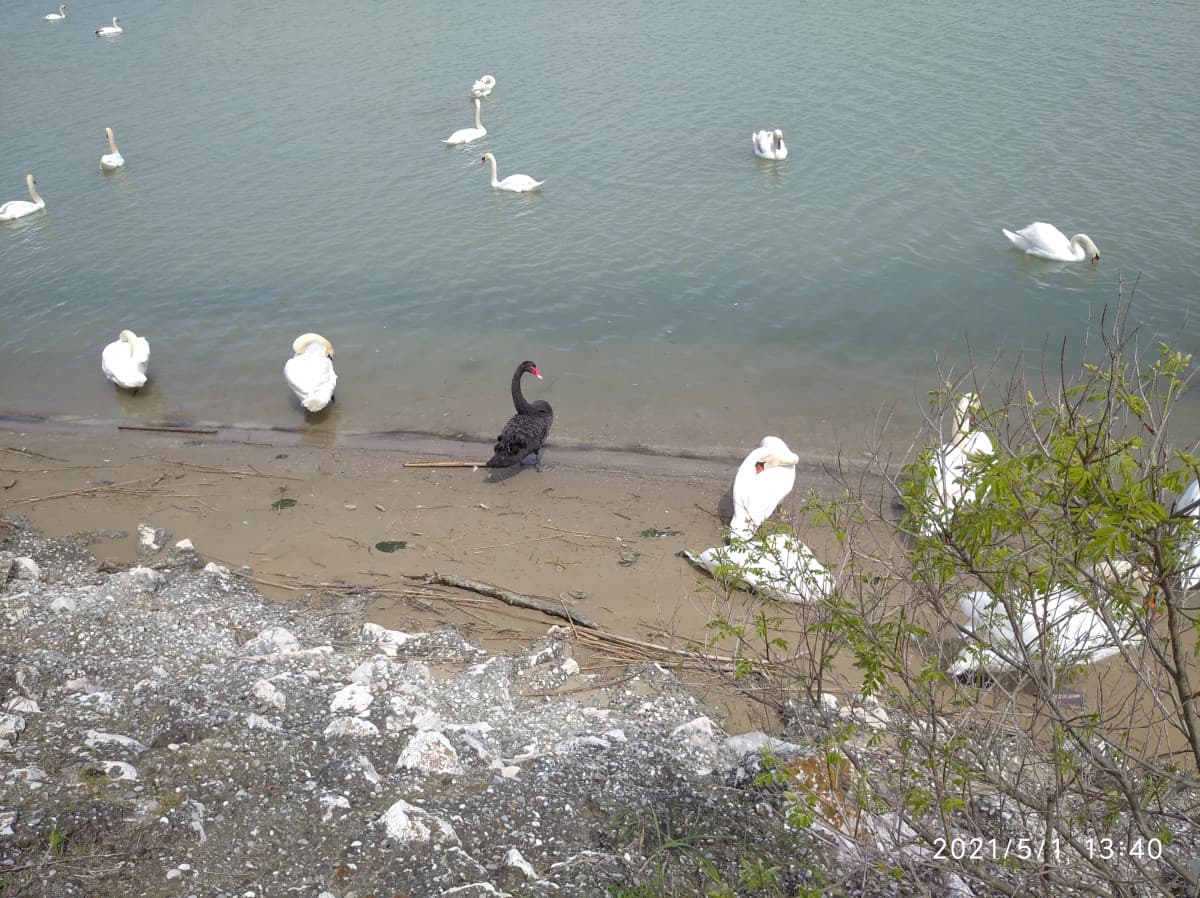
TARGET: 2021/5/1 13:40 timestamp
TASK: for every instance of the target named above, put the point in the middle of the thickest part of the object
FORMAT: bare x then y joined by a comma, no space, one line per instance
1046,849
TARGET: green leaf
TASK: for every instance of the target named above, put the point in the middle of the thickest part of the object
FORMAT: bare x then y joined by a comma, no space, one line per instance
283,503
655,533
391,545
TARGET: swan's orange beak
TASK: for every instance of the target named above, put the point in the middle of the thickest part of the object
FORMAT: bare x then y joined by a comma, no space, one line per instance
759,467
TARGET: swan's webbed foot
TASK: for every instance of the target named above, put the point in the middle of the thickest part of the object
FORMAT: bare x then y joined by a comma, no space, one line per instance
539,467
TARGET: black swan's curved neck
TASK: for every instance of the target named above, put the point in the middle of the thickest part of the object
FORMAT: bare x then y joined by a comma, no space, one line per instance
519,397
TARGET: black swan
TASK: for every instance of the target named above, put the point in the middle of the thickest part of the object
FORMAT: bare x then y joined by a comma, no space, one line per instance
525,431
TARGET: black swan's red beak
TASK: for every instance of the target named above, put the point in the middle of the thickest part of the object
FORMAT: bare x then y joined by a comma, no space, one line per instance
534,371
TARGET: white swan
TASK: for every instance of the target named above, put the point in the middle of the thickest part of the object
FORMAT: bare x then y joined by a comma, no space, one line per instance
515,183
1059,625
952,483
769,144
483,86
466,135
57,16
763,479
107,30
1047,241
310,371
778,565
124,360
114,159
1189,504
18,208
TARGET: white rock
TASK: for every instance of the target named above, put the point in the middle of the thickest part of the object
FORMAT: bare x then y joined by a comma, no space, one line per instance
829,701
515,861
332,803
746,743
272,641
429,752
25,568
63,603
701,732
186,545
22,705
119,770
151,539
350,726
389,640
404,822
570,667
11,726
140,578
510,772
270,694
355,699
213,568
258,722
7,819
486,887
28,775
96,739
174,873
577,742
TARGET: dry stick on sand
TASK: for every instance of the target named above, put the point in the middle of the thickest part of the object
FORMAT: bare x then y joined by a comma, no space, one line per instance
163,429
510,598
445,464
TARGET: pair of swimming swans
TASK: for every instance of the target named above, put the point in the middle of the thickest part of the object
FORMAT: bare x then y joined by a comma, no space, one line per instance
310,371
953,480
124,361
778,564
1048,242
769,144
15,209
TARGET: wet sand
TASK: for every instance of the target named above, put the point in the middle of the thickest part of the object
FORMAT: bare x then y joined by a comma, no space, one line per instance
581,533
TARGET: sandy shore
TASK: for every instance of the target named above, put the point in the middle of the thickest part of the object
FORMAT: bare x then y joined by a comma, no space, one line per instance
579,533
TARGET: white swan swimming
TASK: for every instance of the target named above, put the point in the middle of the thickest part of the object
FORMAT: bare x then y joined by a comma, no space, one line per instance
952,482
466,135
1189,504
113,159
124,360
769,144
1047,241
57,16
778,565
483,86
1059,624
19,208
515,183
763,479
108,30
310,371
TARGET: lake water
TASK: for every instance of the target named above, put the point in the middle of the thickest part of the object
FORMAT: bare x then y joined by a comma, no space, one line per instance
285,173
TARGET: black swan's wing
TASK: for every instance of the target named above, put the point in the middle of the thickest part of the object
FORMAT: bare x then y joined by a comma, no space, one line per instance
522,435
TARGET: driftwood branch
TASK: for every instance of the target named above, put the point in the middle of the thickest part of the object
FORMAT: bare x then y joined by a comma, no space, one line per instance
511,598
445,464
167,429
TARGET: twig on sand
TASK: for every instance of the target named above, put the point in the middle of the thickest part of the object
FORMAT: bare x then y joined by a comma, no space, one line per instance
445,464
167,429
582,533
123,487
30,453
556,609
248,471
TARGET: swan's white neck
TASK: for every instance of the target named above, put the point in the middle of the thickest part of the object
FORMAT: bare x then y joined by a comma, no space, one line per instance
962,415
112,143
478,124
495,180
33,190
1084,247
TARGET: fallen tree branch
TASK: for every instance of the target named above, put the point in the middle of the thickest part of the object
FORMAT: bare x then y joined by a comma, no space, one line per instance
165,429
515,599
445,464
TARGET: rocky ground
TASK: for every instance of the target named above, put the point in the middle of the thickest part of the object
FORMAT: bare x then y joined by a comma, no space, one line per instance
168,731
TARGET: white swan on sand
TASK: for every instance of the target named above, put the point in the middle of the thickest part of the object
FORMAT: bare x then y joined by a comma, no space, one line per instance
19,208
124,360
778,565
1189,504
310,371
483,86
952,482
112,159
1047,241
466,135
762,481
108,30
57,16
514,183
1058,625
769,144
